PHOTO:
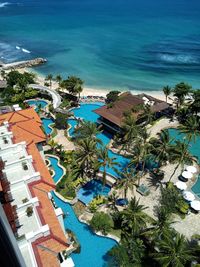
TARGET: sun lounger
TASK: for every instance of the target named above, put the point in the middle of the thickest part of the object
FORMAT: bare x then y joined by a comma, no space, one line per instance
143,190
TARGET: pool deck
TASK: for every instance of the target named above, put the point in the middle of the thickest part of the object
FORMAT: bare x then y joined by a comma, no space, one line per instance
162,124
61,139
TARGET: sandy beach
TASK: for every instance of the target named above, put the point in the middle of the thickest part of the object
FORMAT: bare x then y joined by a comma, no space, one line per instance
90,91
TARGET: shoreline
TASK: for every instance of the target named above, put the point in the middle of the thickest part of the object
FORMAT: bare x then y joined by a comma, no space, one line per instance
92,91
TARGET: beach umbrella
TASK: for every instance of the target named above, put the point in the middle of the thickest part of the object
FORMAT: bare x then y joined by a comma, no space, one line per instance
188,196
181,185
187,175
195,205
191,169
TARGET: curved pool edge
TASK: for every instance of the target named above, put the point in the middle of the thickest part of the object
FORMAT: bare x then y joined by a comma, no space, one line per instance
99,234
64,170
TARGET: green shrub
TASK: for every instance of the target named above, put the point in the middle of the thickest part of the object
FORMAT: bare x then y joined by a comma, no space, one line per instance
29,211
101,222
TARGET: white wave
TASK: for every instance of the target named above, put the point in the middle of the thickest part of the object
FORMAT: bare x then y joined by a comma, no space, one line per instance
17,47
180,59
26,51
4,4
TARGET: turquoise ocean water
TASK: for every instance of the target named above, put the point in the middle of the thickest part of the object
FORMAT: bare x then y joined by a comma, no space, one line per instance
132,44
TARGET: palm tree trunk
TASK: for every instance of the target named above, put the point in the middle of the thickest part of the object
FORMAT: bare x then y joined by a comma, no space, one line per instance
174,172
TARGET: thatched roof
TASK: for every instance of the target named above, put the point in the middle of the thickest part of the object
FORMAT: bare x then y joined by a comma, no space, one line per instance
127,102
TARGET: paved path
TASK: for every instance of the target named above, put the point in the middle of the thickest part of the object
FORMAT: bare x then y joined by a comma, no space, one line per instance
62,140
160,125
55,96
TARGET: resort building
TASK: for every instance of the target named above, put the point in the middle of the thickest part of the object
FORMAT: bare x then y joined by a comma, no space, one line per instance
112,116
25,186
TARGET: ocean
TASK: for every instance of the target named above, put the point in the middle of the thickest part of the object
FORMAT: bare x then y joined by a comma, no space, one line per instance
121,44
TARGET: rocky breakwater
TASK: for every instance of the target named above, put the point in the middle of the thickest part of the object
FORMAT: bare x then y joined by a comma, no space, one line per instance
23,64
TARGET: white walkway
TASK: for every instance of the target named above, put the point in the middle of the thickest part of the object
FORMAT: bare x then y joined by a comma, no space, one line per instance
55,96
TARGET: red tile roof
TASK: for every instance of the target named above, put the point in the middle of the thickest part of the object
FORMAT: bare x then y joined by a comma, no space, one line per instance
26,126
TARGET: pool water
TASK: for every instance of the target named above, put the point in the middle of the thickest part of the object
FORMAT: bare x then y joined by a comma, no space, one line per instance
93,248
58,170
37,103
92,189
46,123
85,111
194,149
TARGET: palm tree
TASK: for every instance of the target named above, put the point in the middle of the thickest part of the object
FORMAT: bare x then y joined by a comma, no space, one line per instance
105,161
53,144
161,146
146,115
167,91
140,154
129,131
134,219
179,154
3,74
86,155
191,128
58,79
180,91
86,129
74,85
49,78
127,180
112,199
174,250
162,225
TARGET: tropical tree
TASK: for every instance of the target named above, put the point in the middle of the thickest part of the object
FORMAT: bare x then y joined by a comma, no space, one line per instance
58,79
61,120
86,129
180,91
174,251
161,225
49,78
146,114
105,161
102,222
161,146
112,96
140,154
3,74
53,144
195,106
86,155
129,132
179,154
74,85
191,128
112,199
131,252
167,91
127,180
134,219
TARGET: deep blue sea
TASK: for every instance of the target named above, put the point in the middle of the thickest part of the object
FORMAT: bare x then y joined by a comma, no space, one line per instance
123,44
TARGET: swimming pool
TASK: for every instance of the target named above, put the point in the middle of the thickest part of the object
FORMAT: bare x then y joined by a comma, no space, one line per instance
37,103
46,123
93,248
194,149
85,111
92,189
58,170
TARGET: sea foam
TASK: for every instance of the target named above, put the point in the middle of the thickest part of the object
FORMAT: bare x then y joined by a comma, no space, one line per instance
26,51
4,4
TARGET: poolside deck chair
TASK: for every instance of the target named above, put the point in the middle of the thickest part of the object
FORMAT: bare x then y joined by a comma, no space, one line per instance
143,190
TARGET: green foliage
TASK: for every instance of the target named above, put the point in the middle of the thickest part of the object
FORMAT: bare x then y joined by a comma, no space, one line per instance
61,121
29,211
97,201
112,96
14,77
73,84
102,222
180,91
